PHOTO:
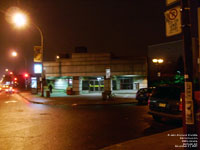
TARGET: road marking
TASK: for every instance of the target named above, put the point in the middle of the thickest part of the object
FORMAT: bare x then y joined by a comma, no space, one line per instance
10,102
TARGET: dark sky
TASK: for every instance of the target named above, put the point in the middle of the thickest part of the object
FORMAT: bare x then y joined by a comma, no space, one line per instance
124,27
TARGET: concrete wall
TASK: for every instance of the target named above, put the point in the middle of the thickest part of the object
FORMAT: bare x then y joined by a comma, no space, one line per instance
141,80
94,64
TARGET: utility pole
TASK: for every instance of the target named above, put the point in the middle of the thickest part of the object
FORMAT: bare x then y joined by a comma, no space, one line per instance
198,60
189,118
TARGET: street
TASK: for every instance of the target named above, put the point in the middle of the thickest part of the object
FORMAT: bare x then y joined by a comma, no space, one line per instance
24,125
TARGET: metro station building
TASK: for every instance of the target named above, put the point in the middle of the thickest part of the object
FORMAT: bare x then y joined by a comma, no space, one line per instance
86,73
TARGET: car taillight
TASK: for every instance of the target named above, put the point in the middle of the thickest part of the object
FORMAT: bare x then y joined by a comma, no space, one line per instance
180,105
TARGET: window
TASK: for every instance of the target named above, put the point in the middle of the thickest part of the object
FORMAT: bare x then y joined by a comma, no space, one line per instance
85,85
126,83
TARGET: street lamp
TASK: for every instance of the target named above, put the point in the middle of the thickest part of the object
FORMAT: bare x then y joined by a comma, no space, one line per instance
20,20
14,54
57,57
158,61
60,68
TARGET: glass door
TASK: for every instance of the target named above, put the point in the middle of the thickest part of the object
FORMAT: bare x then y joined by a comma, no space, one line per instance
96,85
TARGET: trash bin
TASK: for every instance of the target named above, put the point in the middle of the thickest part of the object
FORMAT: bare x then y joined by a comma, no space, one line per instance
69,91
47,93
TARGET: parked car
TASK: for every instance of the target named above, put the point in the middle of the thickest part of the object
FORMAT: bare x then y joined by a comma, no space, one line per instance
166,102
143,95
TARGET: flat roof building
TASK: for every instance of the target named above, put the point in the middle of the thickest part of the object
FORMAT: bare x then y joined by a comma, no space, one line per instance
86,73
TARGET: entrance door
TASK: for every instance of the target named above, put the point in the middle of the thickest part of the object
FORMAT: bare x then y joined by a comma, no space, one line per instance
96,85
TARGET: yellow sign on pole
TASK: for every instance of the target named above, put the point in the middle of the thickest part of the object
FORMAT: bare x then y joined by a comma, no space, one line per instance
37,54
173,21
169,2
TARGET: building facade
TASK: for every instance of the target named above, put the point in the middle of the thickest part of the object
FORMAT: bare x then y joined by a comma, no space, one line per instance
86,73
172,54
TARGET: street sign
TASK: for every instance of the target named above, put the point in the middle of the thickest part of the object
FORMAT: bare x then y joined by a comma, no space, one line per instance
107,73
173,21
189,108
169,2
38,54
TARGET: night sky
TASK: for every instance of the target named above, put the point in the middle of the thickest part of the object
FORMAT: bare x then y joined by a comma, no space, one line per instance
123,27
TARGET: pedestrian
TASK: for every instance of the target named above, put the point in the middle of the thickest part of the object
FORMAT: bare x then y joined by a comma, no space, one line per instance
50,88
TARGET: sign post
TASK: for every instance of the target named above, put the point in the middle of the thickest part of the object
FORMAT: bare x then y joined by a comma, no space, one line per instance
190,110
38,58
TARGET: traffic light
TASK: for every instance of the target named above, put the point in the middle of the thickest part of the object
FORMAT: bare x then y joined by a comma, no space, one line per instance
26,75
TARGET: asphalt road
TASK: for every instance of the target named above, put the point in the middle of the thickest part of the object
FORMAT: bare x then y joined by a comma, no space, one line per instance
24,125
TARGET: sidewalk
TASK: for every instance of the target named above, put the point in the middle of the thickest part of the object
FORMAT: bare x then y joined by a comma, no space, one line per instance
161,141
169,140
73,100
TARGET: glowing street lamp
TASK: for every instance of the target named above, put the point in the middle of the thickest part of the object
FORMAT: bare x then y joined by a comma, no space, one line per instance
14,54
19,19
57,57
158,61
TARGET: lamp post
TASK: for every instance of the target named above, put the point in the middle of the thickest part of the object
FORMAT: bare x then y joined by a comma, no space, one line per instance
60,66
20,20
41,51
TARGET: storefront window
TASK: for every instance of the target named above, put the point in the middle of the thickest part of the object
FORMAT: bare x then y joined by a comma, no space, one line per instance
126,83
85,85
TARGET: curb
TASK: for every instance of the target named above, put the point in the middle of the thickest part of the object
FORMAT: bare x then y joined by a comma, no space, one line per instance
29,99
75,104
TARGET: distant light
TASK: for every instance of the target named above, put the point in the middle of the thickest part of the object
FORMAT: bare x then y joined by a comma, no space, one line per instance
160,61
14,54
57,57
155,60
11,73
70,81
98,78
6,70
38,68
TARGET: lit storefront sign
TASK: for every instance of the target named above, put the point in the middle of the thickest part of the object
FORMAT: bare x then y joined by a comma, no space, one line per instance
37,68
